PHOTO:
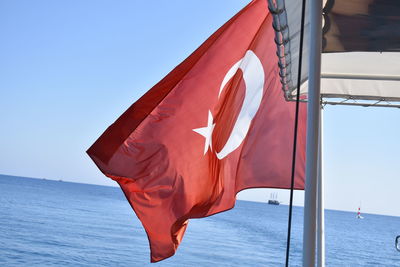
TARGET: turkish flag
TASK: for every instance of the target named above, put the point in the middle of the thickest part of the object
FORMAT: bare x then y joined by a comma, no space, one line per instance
217,124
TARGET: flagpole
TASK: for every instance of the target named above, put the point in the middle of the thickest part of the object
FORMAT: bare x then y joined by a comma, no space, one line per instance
320,197
313,114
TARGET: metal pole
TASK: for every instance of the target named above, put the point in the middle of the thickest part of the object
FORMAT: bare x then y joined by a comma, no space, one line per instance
313,110
320,198
351,76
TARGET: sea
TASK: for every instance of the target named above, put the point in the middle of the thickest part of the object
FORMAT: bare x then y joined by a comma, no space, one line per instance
56,223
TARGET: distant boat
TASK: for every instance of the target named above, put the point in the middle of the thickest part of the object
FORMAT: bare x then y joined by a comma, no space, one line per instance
398,243
359,214
273,199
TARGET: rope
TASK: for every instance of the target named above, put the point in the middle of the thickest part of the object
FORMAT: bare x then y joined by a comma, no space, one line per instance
295,131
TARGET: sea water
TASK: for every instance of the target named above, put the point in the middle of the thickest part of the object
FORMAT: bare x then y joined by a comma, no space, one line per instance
55,223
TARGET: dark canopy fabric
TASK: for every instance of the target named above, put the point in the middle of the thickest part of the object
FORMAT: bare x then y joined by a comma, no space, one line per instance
361,25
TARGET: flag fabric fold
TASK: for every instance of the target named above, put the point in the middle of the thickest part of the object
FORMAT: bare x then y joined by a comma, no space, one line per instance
215,125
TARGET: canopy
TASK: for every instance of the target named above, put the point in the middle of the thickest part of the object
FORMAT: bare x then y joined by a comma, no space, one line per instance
367,30
360,76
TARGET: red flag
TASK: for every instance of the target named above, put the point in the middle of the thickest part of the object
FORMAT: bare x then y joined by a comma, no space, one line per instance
217,124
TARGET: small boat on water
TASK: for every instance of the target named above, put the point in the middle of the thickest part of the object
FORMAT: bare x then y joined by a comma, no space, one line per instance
397,243
359,214
273,199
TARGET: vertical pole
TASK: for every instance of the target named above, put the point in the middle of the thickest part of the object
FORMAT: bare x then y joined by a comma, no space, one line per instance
313,112
320,197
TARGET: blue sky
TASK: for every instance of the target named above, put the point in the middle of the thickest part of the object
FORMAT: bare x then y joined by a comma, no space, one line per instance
68,69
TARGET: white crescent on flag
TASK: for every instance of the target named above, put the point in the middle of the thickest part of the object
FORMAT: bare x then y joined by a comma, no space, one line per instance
254,77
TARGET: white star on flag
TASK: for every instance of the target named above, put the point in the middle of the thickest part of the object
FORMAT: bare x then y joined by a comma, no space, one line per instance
207,132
